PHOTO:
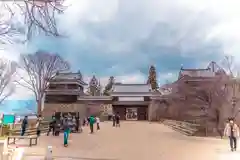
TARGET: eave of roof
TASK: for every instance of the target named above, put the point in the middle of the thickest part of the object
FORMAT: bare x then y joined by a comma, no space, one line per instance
67,81
128,84
200,69
95,98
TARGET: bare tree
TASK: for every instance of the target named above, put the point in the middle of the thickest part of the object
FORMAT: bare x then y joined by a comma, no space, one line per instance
109,86
7,29
36,16
40,16
40,68
204,100
228,64
233,83
7,71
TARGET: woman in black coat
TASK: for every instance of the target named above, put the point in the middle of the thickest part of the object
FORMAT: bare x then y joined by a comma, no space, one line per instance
57,127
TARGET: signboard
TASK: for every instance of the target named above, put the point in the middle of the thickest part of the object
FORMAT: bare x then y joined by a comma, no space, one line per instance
131,114
8,119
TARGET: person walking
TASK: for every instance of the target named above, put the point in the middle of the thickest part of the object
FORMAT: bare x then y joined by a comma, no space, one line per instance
66,129
232,131
91,123
98,123
24,125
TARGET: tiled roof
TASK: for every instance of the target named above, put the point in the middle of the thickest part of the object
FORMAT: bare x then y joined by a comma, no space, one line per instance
211,71
197,73
69,77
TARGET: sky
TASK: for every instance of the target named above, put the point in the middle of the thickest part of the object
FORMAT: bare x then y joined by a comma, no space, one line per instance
123,38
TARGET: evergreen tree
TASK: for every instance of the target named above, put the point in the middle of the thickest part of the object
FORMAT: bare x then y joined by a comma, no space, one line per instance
99,89
109,86
152,78
93,86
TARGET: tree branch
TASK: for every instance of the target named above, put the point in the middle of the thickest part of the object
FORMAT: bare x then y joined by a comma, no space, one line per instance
41,67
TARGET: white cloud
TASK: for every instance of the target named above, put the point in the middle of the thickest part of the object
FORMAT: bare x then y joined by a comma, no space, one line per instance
21,93
129,22
225,11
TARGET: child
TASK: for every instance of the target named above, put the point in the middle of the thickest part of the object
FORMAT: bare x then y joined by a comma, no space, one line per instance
98,123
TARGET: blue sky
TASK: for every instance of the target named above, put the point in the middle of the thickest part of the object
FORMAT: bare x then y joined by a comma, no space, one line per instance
123,38
21,107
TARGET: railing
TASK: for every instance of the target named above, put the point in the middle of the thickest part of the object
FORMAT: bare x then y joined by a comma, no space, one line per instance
32,130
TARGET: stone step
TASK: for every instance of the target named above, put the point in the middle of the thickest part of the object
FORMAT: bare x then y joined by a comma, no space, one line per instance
182,127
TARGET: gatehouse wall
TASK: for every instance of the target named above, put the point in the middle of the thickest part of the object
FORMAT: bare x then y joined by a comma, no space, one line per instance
85,108
50,108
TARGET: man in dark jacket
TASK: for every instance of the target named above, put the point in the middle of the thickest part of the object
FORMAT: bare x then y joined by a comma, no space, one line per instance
51,127
57,127
24,125
77,124
117,117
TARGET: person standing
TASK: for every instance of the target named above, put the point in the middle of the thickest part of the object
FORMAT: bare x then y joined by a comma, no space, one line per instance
232,131
77,123
24,125
57,127
84,121
38,125
117,117
52,126
74,121
88,120
98,123
66,129
91,123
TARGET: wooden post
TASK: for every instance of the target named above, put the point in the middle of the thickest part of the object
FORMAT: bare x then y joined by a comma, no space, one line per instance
1,130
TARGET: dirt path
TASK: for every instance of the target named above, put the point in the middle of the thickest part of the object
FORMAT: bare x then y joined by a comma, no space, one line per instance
136,140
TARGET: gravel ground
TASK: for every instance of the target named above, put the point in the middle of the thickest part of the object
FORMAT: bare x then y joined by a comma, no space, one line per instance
134,140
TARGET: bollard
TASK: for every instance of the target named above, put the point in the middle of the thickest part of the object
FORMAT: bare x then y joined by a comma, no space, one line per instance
18,154
48,155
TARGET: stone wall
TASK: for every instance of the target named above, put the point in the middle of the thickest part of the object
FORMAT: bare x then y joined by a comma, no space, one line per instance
94,108
152,110
50,108
158,109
